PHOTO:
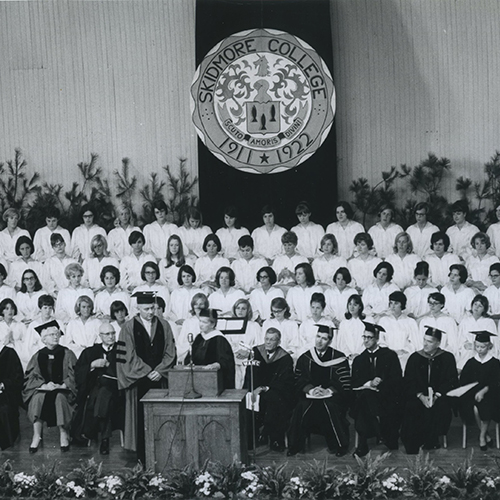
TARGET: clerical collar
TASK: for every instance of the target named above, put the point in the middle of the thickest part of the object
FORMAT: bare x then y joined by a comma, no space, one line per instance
484,360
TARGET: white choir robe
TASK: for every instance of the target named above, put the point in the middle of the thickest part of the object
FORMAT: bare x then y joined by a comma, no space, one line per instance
308,330
81,238
336,301
362,270
225,302
7,292
404,268
246,272
229,240
157,236
417,300
33,342
421,238
283,261
180,302
439,268
376,300
460,239
299,300
459,302
66,300
118,245
268,244
104,299
345,236
384,238
492,293
324,268
79,335
350,337
290,340
450,340
206,268
494,233
479,269
8,243
17,268
41,241
53,278
309,239
192,239
92,268
130,269
27,305
261,301
398,335
15,336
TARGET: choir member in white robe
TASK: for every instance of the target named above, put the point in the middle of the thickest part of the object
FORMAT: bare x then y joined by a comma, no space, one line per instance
309,327
361,267
230,234
267,238
403,261
10,235
376,295
299,296
24,260
418,294
32,342
492,293
206,266
53,272
308,232
262,296
478,264
159,231
28,295
494,233
98,259
284,264
422,231
327,264
118,236
150,274
193,233
43,245
118,314
440,259
462,231
181,297
384,233
131,265
247,265
458,296
6,291
226,295
174,260
338,295
110,277
345,229
13,332
83,234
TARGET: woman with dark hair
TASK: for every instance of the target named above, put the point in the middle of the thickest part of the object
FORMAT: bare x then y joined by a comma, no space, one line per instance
440,259
28,295
118,313
324,267
345,229
475,321
309,328
159,231
42,239
110,277
478,264
118,236
131,265
13,332
417,295
98,259
11,234
284,264
150,274
384,232
267,238
308,232
421,232
361,267
193,233
224,298
458,296
376,295
180,300
83,234
199,302
231,232
6,291
24,260
207,266
403,261
299,296
53,271
337,296
172,262
262,296
462,231
280,319
351,329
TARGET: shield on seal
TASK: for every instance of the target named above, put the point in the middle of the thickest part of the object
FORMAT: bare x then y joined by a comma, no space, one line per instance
263,117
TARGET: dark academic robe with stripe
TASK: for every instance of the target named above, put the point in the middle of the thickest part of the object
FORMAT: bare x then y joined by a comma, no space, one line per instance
324,416
275,372
377,413
421,425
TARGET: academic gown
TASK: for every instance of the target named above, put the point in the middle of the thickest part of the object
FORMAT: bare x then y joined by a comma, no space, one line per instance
11,375
421,425
377,413
487,374
100,406
214,348
137,355
325,416
275,407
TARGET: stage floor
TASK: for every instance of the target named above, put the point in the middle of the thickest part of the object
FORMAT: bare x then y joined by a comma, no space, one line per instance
118,458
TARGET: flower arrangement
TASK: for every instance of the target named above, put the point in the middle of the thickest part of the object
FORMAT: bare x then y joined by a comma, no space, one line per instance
369,480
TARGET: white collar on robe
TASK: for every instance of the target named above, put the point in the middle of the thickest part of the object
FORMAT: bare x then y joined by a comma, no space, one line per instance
484,360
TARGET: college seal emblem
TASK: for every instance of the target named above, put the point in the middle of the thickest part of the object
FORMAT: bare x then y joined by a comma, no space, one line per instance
263,101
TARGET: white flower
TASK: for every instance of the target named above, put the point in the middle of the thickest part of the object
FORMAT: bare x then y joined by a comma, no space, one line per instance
445,480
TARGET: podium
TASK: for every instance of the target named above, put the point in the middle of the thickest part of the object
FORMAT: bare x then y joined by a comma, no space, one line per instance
181,431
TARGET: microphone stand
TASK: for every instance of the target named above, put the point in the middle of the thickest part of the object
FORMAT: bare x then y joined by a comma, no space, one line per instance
191,392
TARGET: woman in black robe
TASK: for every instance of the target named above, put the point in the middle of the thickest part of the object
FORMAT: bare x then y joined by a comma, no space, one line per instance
482,403
212,350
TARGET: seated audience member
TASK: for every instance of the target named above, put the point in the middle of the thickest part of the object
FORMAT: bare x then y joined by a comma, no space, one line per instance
42,240
462,231
82,331
326,265
199,302
6,291
299,296
337,296
230,234
398,329
494,233
83,234
429,375
376,295
158,232
262,296
280,319
273,382
32,344
54,269
174,260
110,277
118,236
98,259
180,300
440,259
11,386
476,320
458,296
49,386
479,262
224,298
193,233
206,267
492,293
118,314
267,238
377,381
246,266
100,406
28,295
67,297
24,260
322,373
422,231
131,265
345,229
384,233
481,404
150,274
361,267
309,234
145,353
418,294
403,260
315,320
10,235
212,350
13,332
350,335
284,264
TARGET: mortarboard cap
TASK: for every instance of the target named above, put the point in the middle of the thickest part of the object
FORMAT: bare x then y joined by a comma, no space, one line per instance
483,336
434,332
49,324
372,327
209,313
145,297
326,329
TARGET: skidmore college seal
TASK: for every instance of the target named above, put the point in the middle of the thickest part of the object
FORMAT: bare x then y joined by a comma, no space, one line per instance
263,101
